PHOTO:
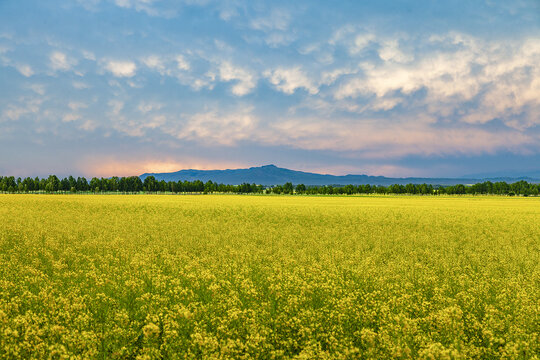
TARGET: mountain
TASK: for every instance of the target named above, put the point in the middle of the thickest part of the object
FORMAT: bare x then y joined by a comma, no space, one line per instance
273,175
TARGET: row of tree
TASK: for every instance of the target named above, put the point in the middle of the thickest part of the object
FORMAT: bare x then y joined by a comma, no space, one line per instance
131,184
134,184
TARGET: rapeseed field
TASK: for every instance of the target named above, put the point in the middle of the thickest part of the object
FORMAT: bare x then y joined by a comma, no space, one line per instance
269,277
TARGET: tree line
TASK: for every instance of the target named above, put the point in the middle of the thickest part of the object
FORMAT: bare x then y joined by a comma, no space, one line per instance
134,184
130,184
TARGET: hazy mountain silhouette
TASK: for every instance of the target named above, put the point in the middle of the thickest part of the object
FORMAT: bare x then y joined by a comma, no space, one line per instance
273,175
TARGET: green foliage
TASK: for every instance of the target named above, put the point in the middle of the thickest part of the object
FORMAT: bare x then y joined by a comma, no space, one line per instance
170,277
133,184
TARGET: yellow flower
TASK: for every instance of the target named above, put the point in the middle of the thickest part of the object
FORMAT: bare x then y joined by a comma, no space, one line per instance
151,330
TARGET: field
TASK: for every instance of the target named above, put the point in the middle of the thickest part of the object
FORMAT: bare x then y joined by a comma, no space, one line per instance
231,276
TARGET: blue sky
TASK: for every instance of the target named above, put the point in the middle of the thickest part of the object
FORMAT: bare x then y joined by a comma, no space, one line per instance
396,88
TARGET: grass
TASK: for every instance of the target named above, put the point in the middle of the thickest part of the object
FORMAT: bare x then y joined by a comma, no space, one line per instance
269,277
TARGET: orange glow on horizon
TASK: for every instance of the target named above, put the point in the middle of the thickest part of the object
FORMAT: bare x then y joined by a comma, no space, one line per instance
110,167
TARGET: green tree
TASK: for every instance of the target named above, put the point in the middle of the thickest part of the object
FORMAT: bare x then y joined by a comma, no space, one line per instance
288,188
150,183
53,182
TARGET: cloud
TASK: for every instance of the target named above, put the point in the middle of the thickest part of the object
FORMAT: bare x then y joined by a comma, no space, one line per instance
38,89
155,122
330,77
116,106
88,125
228,11
24,69
464,78
121,68
70,117
245,81
361,41
376,139
276,26
59,61
390,51
146,107
24,106
182,63
13,113
167,65
342,33
374,88
278,19
218,128
77,105
288,80
276,39
89,5
155,62
125,121
148,7
89,55
79,85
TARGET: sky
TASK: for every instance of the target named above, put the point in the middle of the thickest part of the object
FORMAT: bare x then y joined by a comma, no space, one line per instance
394,88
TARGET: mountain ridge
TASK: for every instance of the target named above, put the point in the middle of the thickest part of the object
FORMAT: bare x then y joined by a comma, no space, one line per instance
272,175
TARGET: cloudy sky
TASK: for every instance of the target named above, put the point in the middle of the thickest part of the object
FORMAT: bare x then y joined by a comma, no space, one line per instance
396,88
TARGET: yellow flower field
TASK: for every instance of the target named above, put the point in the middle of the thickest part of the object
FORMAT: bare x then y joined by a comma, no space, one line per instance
231,276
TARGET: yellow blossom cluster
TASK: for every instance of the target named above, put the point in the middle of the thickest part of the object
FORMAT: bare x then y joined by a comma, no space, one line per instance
273,277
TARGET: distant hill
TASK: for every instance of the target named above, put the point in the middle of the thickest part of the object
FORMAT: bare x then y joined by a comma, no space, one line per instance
273,175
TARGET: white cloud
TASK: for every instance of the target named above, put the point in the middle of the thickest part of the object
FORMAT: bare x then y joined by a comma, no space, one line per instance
390,51
135,84
60,61
38,89
325,108
147,6
155,121
246,82
374,138
276,39
90,5
70,117
116,106
166,65
276,26
227,13
24,69
361,41
88,55
498,79
13,112
219,128
146,107
121,68
278,19
155,62
88,125
198,83
24,106
182,63
77,105
79,85
288,80
330,77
